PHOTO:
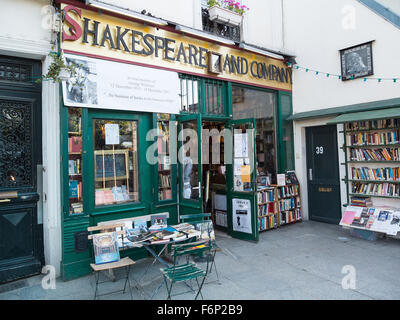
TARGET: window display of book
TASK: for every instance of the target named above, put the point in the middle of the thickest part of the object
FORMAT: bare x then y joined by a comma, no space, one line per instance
75,161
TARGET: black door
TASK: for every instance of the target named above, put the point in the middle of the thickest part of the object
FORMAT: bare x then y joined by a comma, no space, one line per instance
323,174
21,244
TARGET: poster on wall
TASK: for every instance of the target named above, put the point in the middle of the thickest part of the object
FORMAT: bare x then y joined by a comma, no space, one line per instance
112,85
357,61
242,216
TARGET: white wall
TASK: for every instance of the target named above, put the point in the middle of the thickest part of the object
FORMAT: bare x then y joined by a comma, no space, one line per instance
262,24
185,12
314,31
22,35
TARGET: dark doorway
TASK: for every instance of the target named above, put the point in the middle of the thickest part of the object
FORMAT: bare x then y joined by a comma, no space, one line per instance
21,234
324,200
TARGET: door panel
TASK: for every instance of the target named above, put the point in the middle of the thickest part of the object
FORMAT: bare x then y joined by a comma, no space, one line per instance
190,164
242,222
21,243
323,174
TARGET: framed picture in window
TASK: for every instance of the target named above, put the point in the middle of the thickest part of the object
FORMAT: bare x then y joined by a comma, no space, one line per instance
357,62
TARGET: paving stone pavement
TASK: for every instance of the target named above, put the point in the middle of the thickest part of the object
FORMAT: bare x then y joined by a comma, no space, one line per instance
303,261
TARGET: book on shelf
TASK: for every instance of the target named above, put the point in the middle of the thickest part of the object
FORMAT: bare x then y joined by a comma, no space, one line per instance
288,191
75,144
378,174
382,154
375,138
266,195
291,177
372,124
267,223
75,189
74,167
376,189
76,208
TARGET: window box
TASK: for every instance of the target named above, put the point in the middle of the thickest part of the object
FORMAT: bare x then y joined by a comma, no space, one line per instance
225,16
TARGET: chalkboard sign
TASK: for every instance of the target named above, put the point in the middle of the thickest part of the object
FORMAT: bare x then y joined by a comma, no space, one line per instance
105,168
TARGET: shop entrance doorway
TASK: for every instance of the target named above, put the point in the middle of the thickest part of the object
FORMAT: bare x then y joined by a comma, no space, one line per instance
21,226
323,174
218,173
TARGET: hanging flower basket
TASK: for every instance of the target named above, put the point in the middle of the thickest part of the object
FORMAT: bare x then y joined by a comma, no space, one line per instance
225,16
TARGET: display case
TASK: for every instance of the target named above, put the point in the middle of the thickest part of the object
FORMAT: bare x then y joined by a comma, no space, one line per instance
164,158
75,161
373,158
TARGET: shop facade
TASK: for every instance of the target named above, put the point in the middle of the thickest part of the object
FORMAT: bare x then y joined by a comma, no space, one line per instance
328,103
137,135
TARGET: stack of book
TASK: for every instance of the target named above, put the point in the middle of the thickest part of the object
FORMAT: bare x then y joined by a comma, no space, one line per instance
361,202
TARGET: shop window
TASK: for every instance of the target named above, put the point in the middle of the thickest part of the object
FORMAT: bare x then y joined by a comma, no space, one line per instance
214,98
164,158
190,95
116,162
260,105
75,162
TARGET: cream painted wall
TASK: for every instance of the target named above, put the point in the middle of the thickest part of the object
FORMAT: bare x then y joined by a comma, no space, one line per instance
314,31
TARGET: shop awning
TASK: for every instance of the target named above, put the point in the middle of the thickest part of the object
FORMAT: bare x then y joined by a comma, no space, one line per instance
350,109
367,115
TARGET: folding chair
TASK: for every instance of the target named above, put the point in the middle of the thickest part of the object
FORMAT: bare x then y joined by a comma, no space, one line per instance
125,263
188,271
197,218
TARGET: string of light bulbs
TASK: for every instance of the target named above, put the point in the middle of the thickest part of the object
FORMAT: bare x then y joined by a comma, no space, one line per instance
332,75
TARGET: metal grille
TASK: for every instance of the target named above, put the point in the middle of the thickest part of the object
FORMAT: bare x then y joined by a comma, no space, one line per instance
15,72
16,154
225,31
214,97
190,93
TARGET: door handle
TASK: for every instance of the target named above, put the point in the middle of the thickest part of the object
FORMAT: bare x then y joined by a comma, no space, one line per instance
310,174
5,200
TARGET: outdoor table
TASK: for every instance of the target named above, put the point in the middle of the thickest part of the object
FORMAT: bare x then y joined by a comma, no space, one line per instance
148,245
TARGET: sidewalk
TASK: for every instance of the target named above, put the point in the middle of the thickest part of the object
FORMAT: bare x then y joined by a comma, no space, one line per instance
301,261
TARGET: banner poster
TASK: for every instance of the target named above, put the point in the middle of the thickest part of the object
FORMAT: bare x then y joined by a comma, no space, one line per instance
105,84
242,216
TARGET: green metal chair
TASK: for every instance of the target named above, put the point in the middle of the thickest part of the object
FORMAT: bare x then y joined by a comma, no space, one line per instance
188,271
197,218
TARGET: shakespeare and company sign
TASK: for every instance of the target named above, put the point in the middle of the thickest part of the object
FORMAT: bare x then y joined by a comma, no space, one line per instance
89,33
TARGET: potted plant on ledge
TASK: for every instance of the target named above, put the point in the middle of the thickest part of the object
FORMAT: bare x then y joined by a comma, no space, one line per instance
229,12
59,70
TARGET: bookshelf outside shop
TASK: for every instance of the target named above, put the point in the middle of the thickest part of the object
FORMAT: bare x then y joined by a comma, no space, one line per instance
134,105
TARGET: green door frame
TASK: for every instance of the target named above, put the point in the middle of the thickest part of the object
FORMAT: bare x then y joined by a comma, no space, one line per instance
190,206
245,195
144,125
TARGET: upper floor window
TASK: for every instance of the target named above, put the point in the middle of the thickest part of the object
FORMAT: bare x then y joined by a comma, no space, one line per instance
219,29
